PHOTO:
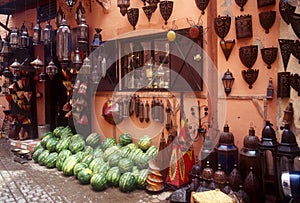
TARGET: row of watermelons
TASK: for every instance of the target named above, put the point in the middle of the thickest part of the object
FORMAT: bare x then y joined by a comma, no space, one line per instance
96,160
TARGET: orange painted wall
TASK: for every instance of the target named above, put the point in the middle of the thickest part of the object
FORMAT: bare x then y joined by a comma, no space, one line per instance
243,105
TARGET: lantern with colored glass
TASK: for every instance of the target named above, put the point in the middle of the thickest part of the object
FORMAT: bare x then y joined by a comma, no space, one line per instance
48,34
288,155
63,44
83,31
97,41
267,148
249,154
37,32
227,80
227,152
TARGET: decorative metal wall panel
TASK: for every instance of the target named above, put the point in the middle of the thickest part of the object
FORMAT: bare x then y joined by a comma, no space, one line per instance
296,50
250,76
243,26
222,25
241,3
295,82
286,50
283,86
133,16
286,11
267,19
248,55
166,9
269,55
296,24
262,3
202,5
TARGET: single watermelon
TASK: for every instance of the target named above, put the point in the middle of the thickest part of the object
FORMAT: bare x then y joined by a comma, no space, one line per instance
93,140
43,156
80,156
108,142
113,175
102,168
114,159
98,182
45,139
37,146
125,151
37,153
109,151
98,153
62,156
144,142
50,161
141,180
88,150
51,144
57,131
62,144
69,165
84,176
88,159
125,139
131,146
142,161
152,151
135,172
95,163
76,146
127,182
125,165
78,167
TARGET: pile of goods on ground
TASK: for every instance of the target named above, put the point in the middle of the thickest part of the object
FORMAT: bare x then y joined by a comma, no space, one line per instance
95,160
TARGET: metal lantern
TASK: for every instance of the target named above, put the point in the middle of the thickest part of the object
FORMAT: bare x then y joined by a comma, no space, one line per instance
77,60
14,38
227,152
83,31
166,8
267,148
37,63
86,67
97,41
63,44
249,154
6,51
59,17
227,80
48,34
208,153
24,39
288,154
153,5
270,89
227,46
123,4
288,114
37,32
15,66
133,16
51,69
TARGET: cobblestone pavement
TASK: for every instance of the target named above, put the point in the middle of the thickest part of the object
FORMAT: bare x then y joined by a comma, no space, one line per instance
30,182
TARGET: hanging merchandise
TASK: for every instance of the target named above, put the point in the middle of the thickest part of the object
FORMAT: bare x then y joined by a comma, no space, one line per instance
141,111
136,106
110,112
147,112
227,152
121,108
83,31
126,104
63,44
168,119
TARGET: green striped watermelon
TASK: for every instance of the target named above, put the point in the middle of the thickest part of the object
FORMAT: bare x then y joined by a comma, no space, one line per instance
93,140
102,168
66,132
98,182
46,134
50,161
135,172
109,151
141,180
125,165
51,144
77,137
152,151
37,153
88,150
63,143
98,153
131,146
84,176
142,161
69,165
144,142
78,167
88,159
57,131
37,146
96,162
45,139
113,175
108,142
76,146
80,155
127,182
125,139
42,158
135,153
62,156
114,159
125,151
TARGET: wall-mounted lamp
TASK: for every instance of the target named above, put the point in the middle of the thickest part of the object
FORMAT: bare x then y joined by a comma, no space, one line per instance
133,16
202,4
166,8
227,46
123,5
227,80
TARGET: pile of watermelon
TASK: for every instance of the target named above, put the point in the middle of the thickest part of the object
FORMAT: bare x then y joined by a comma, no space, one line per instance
95,160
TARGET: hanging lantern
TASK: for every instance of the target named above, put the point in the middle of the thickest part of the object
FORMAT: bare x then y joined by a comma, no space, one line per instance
42,77
59,17
288,154
51,69
227,152
83,31
6,51
123,5
153,5
6,73
48,34
15,66
37,63
97,41
24,39
37,32
70,3
95,76
63,44
14,38
77,60
267,152
249,154
86,67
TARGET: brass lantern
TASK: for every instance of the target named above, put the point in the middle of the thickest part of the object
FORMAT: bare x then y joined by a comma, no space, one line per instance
288,154
97,41
24,39
63,44
14,38
123,4
51,69
48,34
37,32
227,80
227,152
77,60
267,148
83,31
37,63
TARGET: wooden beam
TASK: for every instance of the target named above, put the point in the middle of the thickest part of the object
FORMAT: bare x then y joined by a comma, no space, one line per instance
5,27
7,20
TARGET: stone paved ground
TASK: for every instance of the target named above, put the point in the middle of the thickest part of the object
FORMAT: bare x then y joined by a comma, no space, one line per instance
32,183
